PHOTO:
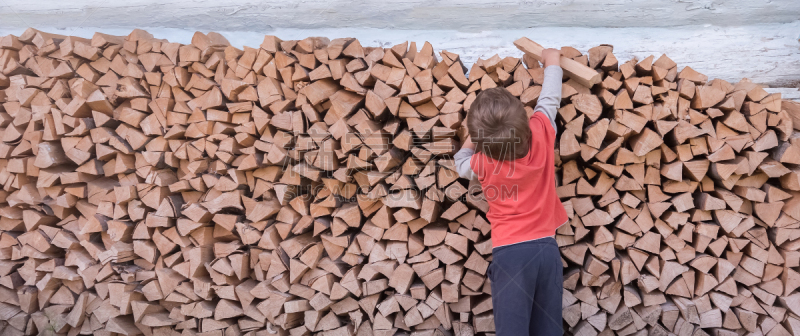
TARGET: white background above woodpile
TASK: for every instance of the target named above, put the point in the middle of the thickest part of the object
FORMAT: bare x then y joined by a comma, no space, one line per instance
767,54
463,15
727,39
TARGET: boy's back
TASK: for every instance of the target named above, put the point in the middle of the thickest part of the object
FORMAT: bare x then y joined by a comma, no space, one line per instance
523,204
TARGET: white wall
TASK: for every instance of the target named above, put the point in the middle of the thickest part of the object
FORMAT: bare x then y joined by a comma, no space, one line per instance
727,39
469,15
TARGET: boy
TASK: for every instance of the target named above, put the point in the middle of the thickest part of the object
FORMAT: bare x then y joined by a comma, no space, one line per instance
514,163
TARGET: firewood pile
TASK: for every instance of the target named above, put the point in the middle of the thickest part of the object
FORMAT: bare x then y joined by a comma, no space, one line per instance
307,187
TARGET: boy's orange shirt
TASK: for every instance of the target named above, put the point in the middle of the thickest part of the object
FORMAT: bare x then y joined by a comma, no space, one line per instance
523,204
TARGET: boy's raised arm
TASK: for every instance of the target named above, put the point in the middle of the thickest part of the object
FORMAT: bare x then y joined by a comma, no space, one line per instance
462,159
550,97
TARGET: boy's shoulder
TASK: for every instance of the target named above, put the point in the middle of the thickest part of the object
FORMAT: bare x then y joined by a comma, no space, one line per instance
539,122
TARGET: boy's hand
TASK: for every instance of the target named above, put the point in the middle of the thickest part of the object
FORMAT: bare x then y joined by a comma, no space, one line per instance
551,56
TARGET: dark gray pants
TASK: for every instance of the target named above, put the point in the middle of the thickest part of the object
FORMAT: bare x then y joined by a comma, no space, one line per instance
527,284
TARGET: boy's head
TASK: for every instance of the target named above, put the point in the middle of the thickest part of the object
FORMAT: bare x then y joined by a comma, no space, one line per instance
498,125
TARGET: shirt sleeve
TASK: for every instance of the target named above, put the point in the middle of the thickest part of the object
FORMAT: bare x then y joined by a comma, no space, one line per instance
462,158
550,98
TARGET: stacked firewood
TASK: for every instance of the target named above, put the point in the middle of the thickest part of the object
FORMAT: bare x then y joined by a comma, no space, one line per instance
682,192
307,187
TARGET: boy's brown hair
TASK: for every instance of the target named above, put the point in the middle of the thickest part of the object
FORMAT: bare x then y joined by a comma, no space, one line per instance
498,125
